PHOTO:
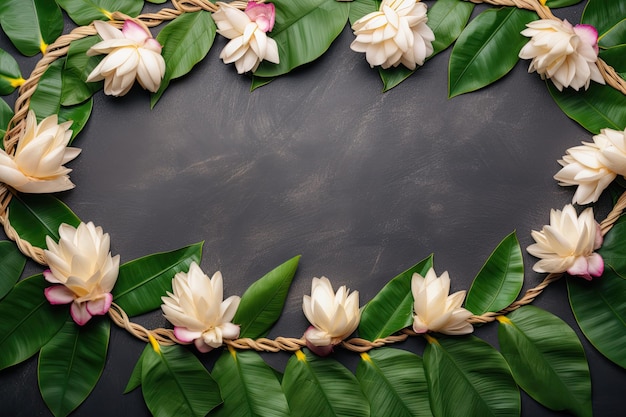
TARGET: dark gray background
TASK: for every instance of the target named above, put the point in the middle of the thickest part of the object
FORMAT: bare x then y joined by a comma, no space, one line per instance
319,163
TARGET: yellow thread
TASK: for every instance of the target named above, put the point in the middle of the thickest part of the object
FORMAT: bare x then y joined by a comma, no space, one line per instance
366,357
431,339
154,343
16,82
43,47
543,2
108,14
503,320
233,352
300,355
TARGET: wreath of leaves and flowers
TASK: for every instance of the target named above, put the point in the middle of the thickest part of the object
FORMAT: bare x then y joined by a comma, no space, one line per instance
113,47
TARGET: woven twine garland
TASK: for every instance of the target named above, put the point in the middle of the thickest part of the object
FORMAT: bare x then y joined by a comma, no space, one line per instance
163,336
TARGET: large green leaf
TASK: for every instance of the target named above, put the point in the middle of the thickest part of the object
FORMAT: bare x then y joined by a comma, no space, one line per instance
35,216
561,3
10,75
83,12
613,250
78,66
500,279
6,113
78,114
392,308
600,311
609,18
615,57
28,321
304,30
70,364
46,99
317,387
394,383
12,264
597,108
141,283
135,377
249,386
472,373
547,359
487,49
186,41
262,303
31,24
359,8
175,383
447,18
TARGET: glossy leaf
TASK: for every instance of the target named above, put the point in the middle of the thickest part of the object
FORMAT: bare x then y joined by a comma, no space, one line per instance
31,25
12,264
141,283
258,82
487,49
35,216
78,66
474,374
547,359
597,108
249,386
613,250
561,3
78,114
175,383
46,100
186,41
6,113
83,12
391,309
615,57
500,279
298,35
10,75
28,321
394,383
600,311
135,377
447,19
262,303
70,364
609,19
317,387
359,8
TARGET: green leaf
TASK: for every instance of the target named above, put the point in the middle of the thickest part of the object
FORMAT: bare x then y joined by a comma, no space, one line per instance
262,303
600,311
141,283
597,108
46,99
70,364
31,25
11,266
500,279
394,383
78,114
6,113
83,12
298,35
561,3
249,386
609,19
360,8
547,359
175,383
186,41
135,377
35,216
447,18
487,49
10,75
317,387
28,321
613,250
391,309
615,57
472,373
258,82
78,66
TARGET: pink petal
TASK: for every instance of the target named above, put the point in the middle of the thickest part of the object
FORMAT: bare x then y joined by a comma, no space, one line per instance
201,346
132,30
79,313
49,276
264,14
100,306
596,265
580,269
185,335
588,34
320,350
58,294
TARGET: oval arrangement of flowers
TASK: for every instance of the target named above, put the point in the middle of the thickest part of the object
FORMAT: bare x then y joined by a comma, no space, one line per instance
57,313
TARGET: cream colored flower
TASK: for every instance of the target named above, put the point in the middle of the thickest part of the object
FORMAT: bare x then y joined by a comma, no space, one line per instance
613,151
333,316
37,166
82,264
396,34
564,53
249,45
435,310
197,311
568,244
132,53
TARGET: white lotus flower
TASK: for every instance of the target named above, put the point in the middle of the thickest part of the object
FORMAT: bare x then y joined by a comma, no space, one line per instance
564,53
333,316
82,264
197,311
132,53
568,244
613,151
396,34
249,45
435,310
37,166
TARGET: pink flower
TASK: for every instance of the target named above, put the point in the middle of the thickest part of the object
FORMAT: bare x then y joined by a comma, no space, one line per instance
263,14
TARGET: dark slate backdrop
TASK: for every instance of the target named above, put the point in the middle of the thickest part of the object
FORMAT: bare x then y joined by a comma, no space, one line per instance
319,163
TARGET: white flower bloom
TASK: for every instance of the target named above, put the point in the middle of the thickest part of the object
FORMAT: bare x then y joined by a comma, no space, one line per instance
82,264
564,53
37,166
613,151
396,34
568,244
333,316
249,45
132,53
435,310
197,311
